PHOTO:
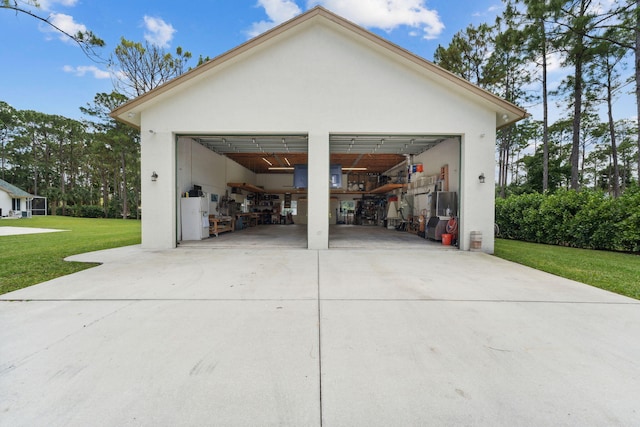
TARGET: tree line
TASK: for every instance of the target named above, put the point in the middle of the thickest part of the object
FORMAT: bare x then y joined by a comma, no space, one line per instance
598,45
73,163
89,167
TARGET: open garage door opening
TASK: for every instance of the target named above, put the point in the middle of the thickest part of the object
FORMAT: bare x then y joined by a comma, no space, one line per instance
251,190
231,185
405,184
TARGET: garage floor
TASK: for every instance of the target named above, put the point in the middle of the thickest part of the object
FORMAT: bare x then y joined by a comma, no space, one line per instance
292,337
295,236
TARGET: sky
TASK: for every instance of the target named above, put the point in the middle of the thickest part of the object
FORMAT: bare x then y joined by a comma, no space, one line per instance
44,71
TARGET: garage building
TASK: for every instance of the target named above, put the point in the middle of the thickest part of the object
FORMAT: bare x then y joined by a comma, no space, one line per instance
317,122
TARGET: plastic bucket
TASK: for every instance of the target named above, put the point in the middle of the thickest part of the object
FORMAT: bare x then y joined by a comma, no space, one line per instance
446,239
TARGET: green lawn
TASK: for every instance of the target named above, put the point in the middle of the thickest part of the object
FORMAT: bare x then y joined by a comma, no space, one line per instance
29,259
616,272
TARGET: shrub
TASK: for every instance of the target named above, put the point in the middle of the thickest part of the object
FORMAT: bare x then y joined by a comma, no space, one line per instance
91,211
586,219
627,230
517,216
82,211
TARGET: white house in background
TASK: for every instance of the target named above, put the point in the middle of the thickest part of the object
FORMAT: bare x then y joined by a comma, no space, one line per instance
320,81
14,202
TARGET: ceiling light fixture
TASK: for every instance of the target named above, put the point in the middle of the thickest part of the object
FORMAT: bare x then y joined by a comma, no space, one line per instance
287,160
354,169
281,168
270,164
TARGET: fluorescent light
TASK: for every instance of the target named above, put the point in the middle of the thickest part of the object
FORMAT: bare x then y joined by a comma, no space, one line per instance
354,169
281,168
270,164
287,160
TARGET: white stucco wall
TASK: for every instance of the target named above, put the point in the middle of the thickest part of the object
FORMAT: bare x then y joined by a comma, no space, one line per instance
159,220
478,200
315,80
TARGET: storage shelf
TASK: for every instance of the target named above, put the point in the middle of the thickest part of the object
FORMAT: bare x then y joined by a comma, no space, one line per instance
387,188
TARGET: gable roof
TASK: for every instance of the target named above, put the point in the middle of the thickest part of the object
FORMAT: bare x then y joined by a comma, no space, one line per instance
13,190
128,113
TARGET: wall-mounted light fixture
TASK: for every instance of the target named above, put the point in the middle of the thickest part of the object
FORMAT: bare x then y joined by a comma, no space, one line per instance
152,131
154,176
481,178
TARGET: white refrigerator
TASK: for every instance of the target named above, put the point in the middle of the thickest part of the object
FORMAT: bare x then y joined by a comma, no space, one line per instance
194,215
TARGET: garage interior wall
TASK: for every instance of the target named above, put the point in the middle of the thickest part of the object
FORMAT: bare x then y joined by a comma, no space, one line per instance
201,166
445,153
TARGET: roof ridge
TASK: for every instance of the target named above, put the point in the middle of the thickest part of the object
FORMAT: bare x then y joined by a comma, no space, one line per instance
119,113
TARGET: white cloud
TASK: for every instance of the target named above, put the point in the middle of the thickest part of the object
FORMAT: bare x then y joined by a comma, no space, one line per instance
159,33
600,7
81,70
388,14
490,12
554,62
64,22
278,12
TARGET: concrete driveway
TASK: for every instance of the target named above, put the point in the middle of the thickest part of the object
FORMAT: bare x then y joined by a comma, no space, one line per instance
201,336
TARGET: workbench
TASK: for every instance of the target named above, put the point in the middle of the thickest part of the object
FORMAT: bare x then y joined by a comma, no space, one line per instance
248,219
219,225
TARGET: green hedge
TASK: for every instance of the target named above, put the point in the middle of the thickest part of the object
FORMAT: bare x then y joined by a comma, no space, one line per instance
82,211
586,219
